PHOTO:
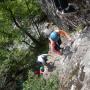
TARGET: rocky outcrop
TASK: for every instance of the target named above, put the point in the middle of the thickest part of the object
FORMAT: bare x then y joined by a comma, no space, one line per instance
67,20
73,68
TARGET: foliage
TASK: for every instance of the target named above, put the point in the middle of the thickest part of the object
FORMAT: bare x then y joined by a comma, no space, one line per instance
23,13
17,43
37,83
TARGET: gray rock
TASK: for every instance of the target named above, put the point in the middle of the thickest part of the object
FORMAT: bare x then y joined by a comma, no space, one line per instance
74,68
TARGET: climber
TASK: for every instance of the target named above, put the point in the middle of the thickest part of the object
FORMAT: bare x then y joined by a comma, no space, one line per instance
55,39
61,4
41,61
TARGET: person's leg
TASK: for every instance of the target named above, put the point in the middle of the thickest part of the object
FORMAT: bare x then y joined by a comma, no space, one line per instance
57,47
59,42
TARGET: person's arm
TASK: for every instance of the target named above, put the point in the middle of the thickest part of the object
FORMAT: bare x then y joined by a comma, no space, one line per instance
63,33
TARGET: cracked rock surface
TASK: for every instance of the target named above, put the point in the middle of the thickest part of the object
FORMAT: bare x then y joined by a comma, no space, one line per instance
73,68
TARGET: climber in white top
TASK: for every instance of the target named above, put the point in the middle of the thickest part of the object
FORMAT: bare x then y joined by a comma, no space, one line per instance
42,59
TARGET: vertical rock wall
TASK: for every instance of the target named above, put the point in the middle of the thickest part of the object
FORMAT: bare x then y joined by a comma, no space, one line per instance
67,20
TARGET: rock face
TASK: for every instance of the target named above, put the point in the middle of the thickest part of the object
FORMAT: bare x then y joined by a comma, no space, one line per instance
49,8
70,20
73,67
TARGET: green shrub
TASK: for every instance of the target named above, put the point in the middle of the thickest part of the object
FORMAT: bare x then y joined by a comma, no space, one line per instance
39,83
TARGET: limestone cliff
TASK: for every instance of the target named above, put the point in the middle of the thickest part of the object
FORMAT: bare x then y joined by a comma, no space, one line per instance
67,20
73,68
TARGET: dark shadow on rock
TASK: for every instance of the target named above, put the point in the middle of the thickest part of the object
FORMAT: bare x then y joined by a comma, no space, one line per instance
82,74
79,85
69,54
51,67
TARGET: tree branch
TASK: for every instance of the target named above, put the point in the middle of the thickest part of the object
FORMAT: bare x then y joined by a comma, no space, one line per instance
28,44
21,28
32,18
